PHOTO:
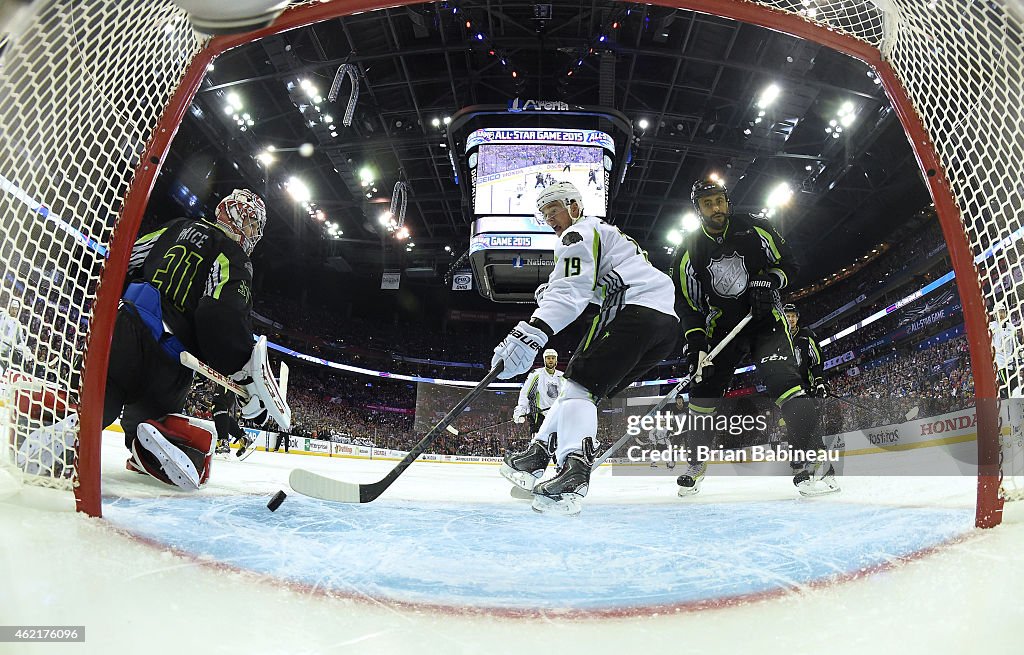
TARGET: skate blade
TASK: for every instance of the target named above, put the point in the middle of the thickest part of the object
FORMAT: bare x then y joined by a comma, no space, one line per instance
242,453
686,492
173,462
521,479
567,505
822,487
520,494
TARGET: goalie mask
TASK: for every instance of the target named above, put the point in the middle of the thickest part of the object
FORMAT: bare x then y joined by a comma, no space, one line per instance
243,215
564,193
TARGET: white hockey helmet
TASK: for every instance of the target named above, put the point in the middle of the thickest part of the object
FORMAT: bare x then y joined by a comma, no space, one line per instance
564,192
242,214
550,352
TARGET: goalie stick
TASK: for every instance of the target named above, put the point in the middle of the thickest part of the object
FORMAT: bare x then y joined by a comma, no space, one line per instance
188,360
325,488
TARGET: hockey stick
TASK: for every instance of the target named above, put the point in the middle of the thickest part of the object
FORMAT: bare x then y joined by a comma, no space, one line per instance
188,360
670,396
909,416
325,488
486,427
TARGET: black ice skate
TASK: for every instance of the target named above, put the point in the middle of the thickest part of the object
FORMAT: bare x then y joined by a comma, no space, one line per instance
223,447
816,479
690,481
247,445
525,468
563,493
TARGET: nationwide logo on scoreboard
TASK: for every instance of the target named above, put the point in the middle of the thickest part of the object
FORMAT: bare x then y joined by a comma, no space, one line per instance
515,106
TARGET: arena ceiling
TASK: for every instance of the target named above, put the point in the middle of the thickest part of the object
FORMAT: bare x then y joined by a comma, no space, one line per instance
696,79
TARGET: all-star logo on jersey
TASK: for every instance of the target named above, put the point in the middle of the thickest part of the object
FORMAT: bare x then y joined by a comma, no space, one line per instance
729,275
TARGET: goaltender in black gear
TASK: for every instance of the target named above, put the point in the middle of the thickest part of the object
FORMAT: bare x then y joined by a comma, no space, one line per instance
735,264
189,288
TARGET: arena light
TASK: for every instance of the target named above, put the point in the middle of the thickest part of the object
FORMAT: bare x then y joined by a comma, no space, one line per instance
366,176
674,237
690,222
298,190
643,123
266,158
235,101
768,96
779,196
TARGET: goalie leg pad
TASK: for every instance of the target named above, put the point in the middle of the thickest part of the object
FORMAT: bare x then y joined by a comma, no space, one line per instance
173,451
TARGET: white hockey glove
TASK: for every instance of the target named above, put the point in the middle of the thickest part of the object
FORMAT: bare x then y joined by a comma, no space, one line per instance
519,350
539,293
519,415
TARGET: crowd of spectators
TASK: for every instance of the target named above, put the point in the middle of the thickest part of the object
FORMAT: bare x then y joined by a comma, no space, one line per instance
907,255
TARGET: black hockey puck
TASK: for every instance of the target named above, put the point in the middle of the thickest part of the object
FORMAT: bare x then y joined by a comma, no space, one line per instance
276,501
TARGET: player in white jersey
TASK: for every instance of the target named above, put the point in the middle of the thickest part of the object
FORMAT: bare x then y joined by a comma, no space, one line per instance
539,392
1006,345
636,328
13,337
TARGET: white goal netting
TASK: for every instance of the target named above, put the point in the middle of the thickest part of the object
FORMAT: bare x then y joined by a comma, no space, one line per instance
83,86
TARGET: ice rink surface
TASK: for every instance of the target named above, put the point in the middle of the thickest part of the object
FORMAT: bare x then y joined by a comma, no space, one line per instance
447,562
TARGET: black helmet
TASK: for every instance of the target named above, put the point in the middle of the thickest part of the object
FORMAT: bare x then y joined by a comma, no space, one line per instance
706,187
790,308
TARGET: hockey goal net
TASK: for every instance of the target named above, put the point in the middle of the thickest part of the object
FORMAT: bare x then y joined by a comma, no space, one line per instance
91,94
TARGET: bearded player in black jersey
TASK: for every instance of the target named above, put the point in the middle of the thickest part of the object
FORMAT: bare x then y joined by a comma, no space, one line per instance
189,288
732,265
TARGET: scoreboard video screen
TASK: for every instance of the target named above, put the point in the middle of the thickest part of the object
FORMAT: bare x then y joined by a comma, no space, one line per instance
510,176
511,247
511,166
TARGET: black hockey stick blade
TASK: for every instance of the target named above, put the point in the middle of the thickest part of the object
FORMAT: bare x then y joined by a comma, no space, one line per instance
325,488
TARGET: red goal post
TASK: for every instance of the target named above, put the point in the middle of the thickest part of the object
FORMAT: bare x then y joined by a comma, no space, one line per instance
91,95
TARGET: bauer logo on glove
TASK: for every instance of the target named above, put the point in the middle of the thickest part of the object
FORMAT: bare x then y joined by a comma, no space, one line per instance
519,349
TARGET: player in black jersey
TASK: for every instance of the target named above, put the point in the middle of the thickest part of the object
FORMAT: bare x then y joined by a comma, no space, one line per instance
808,354
735,264
189,288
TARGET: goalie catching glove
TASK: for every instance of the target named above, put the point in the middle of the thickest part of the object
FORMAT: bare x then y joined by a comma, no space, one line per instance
519,350
265,396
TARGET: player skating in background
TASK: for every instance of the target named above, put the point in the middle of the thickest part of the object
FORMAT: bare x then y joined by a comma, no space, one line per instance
14,350
539,392
1006,344
732,265
808,354
225,420
635,329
